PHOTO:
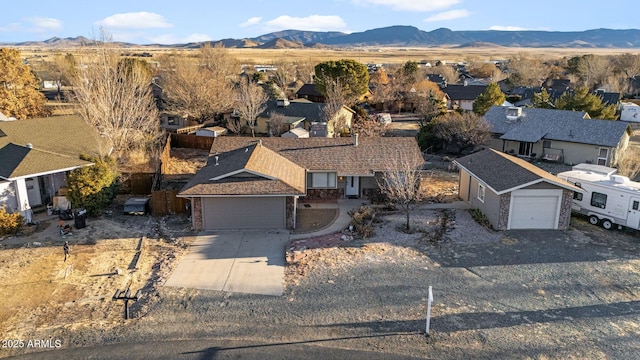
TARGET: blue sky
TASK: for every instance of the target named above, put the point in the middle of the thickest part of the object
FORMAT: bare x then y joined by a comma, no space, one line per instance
167,22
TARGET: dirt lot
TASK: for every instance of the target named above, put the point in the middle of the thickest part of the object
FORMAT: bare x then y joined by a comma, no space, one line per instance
42,293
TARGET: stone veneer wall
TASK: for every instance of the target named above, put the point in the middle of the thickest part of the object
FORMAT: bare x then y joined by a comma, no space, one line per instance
503,219
324,194
290,212
196,209
565,209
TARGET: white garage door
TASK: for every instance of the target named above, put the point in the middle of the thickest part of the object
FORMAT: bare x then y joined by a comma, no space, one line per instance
243,213
535,209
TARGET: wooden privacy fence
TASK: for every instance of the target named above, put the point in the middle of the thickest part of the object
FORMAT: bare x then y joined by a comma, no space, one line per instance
137,183
165,202
191,141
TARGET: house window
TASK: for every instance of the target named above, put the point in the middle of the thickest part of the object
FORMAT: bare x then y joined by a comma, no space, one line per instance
525,149
172,120
577,196
598,200
319,180
481,192
603,155
546,144
636,205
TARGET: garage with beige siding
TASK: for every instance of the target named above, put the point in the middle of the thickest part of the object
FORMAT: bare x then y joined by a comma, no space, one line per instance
231,213
514,194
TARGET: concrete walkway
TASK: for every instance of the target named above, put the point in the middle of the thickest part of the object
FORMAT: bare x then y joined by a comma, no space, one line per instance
341,223
235,261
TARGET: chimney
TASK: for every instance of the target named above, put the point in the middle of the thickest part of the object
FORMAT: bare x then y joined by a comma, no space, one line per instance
216,157
355,139
29,145
282,102
260,142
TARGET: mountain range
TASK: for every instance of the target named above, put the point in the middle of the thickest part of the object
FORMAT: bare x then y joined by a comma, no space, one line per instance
402,36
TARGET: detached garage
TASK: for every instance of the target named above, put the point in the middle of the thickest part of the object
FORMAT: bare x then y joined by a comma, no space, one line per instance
513,193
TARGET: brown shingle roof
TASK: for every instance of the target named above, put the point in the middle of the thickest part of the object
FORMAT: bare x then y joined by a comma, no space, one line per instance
504,173
64,135
339,154
19,161
249,170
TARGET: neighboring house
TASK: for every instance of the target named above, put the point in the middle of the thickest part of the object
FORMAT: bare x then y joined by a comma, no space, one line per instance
35,156
309,92
438,79
608,98
249,183
514,194
564,136
306,114
172,122
461,96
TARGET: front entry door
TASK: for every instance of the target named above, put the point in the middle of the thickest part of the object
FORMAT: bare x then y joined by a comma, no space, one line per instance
633,218
353,186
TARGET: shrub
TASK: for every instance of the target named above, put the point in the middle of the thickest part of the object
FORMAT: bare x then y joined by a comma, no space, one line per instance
93,187
480,218
10,223
361,221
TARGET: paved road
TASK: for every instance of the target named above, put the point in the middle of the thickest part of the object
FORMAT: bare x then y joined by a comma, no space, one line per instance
235,261
211,349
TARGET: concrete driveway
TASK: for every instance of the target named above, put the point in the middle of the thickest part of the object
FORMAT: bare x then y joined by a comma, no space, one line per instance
235,261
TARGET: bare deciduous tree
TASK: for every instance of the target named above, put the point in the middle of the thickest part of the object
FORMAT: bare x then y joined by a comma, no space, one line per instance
462,131
402,187
448,72
332,113
527,71
369,126
250,102
629,164
594,70
199,88
284,75
305,71
114,96
277,124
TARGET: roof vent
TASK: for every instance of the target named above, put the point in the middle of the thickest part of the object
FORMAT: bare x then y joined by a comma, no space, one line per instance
29,145
619,179
355,139
216,157
282,102
513,113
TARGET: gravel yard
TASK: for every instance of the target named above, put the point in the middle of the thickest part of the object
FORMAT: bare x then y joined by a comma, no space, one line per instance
525,294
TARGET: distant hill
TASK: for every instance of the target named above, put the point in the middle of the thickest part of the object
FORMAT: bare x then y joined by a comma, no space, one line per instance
404,36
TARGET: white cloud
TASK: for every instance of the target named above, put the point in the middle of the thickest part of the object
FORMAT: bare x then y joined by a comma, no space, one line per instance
448,15
252,21
43,24
197,38
310,23
11,27
411,5
135,20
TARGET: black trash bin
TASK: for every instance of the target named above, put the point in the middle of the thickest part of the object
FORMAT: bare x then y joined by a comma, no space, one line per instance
80,218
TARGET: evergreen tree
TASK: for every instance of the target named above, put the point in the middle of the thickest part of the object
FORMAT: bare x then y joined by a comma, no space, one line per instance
582,100
492,95
352,75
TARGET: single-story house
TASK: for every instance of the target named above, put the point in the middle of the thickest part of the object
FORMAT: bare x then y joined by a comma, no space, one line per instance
564,136
36,155
303,113
249,183
514,194
462,96
309,92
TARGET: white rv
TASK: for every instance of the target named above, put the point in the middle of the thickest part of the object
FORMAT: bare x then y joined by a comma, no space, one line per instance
608,199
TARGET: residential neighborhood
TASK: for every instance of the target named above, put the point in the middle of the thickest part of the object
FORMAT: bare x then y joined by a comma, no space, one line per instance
203,202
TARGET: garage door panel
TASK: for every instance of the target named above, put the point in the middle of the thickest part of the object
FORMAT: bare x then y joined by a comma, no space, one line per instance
243,213
534,210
